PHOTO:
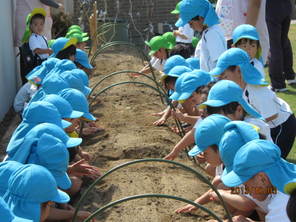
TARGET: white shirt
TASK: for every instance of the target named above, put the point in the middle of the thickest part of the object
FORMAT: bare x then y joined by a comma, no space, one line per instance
188,32
277,208
233,13
219,170
263,127
265,101
197,50
38,42
259,66
157,63
23,96
213,44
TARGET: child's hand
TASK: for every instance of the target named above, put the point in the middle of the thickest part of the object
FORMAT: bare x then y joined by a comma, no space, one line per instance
178,114
160,122
158,114
49,51
213,196
241,218
172,155
186,209
82,168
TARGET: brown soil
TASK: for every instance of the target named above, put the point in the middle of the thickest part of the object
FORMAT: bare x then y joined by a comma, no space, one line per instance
125,112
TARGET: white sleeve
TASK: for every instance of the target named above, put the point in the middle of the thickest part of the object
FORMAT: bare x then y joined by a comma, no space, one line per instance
34,43
157,64
264,127
216,45
262,99
188,31
277,209
259,66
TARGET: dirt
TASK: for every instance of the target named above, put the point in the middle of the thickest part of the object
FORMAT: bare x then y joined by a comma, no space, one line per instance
125,112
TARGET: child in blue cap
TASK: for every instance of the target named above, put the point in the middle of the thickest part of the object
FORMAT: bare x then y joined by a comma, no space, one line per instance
194,63
31,191
168,81
202,17
246,37
207,137
36,113
259,166
234,64
64,48
7,215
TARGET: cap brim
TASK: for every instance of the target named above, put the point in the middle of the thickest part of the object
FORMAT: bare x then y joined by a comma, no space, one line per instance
175,12
212,103
152,52
86,90
181,22
73,142
249,109
65,124
195,151
37,11
233,180
72,41
246,37
61,197
84,39
185,95
217,71
89,116
75,114
86,65
175,96
62,179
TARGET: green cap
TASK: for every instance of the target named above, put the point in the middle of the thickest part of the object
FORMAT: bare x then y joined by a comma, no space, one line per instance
50,42
170,39
195,41
156,43
74,33
77,28
177,9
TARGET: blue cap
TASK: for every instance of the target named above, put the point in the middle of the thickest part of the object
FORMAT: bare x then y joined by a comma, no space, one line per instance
177,71
236,134
63,106
61,44
75,82
44,112
173,61
28,188
208,132
225,92
41,71
188,82
194,63
192,8
78,101
29,141
244,31
82,75
7,215
53,83
82,58
260,156
7,169
238,57
51,153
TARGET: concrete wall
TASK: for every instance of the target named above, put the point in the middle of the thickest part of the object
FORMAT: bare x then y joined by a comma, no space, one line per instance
8,80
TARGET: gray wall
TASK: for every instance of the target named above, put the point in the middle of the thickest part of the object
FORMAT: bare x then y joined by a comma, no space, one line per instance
7,59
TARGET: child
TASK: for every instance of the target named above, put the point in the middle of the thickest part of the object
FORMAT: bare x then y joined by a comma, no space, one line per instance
207,137
38,112
187,93
37,42
31,190
246,37
81,39
259,166
184,34
234,65
201,17
64,48
159,51
168,81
